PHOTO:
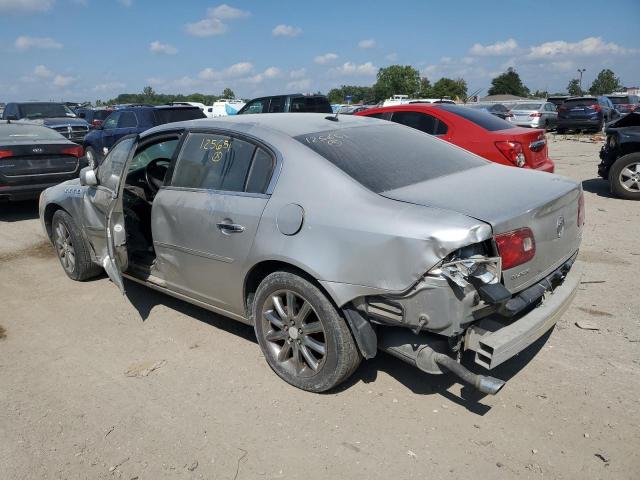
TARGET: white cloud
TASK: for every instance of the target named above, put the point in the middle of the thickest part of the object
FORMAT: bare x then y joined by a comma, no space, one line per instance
125,3
42,72
108,87
234,71
301,85
392,57
272,72
164,48
269,73
587,47
25,6
497,49
62,81
25,43
368,43
352,69
299,73
326,58
213,23
226,12
286,31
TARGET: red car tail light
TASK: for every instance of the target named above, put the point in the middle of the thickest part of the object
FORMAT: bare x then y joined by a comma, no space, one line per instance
513,152
535,114
581,215
516,247
75,151
596,107
96,123
5,153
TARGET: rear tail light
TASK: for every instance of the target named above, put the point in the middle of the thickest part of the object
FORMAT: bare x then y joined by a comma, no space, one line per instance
596,107
535,114
513,152
581,209
5,153
516,247
96,123
75,151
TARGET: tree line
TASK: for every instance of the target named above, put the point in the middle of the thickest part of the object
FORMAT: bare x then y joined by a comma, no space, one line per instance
398,80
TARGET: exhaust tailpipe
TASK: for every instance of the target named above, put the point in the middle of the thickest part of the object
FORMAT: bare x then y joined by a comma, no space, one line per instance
484,384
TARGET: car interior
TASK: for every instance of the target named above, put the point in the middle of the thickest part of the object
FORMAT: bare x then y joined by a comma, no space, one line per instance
144,178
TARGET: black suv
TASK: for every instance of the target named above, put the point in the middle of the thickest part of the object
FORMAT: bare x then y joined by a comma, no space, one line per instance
48,114
296,102
585,113
620,157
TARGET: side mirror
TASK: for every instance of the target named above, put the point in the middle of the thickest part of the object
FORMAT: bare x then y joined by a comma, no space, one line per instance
88,177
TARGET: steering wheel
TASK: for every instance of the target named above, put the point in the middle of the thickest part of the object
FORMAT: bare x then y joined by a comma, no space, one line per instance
154,173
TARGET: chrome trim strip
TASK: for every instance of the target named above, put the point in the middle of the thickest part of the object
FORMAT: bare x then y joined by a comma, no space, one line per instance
197,253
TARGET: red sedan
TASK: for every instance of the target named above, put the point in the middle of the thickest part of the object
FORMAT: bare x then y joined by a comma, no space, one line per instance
479,132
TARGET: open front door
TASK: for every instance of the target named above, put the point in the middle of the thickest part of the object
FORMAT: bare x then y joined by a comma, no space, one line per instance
113,172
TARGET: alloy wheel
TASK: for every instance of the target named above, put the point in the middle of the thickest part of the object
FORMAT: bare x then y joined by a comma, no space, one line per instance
294,333
64,247
630,177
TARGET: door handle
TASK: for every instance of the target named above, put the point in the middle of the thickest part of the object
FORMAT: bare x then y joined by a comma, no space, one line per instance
230,227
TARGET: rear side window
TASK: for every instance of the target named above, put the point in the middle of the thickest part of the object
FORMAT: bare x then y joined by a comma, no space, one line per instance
389,156
168,115
260,173
214,162
420,121
482,119
127,120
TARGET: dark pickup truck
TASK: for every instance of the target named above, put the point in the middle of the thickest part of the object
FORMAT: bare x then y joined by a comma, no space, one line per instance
56,116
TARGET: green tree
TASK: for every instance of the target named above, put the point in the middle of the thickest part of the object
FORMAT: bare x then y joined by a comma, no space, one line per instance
508,83
449,88
149,94
540,94
606,82
573,88
357,93
228,93
397,80
425,88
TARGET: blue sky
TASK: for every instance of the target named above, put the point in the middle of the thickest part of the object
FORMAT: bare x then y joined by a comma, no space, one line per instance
89,49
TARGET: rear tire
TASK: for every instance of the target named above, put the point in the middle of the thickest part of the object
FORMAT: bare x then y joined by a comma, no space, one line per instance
71,249
561,131
624,177
304,339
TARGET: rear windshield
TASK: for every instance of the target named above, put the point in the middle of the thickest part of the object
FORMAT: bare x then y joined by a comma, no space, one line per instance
527,106
13,132
389,156
620,100
101,114
580,102
44,110
481,118
169,115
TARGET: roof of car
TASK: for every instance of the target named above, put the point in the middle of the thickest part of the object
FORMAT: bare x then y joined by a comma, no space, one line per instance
291,124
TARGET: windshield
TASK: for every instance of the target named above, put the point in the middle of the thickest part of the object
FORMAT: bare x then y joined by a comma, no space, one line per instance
15,132
527,106
45,110
481,118
389,156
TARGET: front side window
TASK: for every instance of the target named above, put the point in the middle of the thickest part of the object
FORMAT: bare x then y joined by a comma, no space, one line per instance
213,162
110,170
257,106
276,105
163,150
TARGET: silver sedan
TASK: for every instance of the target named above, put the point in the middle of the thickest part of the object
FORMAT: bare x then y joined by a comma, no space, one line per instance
534,115
334,236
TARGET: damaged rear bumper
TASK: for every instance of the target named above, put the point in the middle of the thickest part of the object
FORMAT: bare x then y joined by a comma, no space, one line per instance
495,340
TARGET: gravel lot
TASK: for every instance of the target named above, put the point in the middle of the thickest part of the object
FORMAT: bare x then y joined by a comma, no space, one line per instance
97,385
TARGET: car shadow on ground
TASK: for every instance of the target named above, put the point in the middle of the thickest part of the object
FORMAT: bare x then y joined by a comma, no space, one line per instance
145,299
598,186
18,211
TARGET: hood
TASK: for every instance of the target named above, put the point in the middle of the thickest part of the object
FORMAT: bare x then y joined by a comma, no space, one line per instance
495,194
630,120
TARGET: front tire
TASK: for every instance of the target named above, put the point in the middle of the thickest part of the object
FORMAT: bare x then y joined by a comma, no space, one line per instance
624,177
304,339
71,249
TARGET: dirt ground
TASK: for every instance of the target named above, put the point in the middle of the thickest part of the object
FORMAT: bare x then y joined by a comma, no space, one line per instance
97,385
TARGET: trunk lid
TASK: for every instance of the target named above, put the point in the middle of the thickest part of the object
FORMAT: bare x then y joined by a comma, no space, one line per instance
509,198
533,141
37,159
